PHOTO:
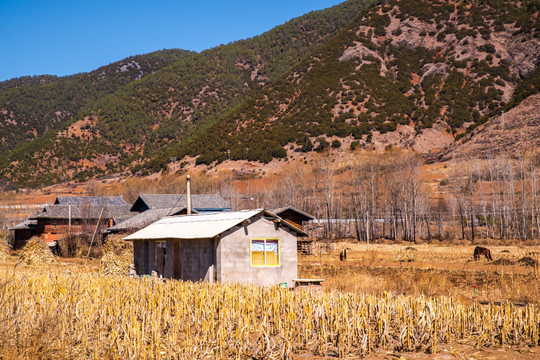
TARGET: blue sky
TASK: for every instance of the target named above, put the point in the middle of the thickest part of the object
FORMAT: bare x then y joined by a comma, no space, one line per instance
70,36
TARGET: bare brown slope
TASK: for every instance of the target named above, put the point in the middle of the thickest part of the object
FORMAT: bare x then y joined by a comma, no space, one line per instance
513,132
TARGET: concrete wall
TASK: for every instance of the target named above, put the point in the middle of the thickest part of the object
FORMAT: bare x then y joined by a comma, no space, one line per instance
234,261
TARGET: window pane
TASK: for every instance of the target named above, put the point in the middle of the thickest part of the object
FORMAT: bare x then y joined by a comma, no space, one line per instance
257,245
257,258
265,252
257,252
272,253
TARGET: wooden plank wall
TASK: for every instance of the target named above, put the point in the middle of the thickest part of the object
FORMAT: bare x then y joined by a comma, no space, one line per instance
168,271
177,255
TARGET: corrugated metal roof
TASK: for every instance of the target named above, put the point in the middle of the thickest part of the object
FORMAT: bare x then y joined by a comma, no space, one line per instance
199,226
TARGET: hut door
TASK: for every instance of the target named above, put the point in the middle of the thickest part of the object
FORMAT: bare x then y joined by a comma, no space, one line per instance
160,253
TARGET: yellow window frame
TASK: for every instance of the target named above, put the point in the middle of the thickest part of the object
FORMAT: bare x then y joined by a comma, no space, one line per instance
264,239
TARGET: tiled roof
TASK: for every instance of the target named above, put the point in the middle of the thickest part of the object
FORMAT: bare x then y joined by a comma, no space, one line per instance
145,218
82,212
90,200
202,201
26,224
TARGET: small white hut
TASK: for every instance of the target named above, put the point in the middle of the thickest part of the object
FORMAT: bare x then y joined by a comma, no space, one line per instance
251,246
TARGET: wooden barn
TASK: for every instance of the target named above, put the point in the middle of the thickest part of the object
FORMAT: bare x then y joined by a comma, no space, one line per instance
72,215
250,246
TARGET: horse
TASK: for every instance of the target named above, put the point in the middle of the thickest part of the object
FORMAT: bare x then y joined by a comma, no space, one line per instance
478,251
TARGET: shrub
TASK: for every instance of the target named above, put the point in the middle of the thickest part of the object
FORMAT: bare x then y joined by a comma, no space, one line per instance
323,144
489,48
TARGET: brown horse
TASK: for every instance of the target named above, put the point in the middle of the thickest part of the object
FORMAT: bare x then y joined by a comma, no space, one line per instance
479,251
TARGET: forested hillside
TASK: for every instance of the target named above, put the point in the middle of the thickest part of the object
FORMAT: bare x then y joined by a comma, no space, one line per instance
413,74
31,106
140,119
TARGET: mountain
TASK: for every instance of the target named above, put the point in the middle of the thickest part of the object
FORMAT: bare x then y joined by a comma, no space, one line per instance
140,119
31,106
414,74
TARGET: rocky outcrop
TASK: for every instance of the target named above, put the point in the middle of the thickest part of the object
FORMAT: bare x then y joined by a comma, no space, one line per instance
434,69
363,53
524,54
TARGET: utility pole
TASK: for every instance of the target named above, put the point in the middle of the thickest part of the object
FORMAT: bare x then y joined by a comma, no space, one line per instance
69,221
188,194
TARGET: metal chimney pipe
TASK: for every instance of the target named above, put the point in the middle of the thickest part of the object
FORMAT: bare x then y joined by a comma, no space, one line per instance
188,180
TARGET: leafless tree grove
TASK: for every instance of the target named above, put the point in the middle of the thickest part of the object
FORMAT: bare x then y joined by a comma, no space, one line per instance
388,196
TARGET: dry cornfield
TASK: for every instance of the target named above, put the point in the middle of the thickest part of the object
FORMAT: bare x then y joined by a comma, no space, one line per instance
65,315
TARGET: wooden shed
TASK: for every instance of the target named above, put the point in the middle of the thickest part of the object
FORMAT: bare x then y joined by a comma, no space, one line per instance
297,218
22,232
250,246
292,215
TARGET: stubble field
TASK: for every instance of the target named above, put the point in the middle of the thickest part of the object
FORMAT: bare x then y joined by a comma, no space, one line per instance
384,302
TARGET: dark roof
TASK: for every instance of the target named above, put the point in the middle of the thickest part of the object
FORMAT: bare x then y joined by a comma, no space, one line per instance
281,210
82,212
91,200
26,224
169,201
145,218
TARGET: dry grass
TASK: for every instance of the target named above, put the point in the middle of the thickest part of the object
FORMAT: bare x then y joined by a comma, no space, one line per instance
5,252
35,252
117,256
66,316
429,270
